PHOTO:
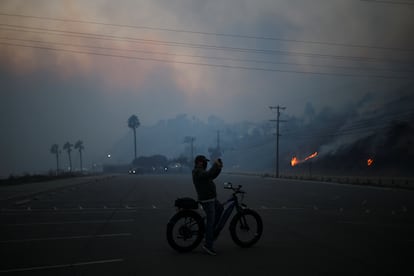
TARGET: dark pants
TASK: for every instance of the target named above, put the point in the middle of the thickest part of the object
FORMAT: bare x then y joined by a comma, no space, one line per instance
213,210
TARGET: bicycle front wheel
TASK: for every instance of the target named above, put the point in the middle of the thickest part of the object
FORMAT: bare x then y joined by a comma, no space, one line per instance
246,228
185,230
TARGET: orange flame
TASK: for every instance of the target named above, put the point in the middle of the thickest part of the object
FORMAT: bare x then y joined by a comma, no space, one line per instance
296,161
370,161
311,156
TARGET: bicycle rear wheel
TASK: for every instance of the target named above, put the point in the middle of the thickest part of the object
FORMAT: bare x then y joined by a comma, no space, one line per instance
246,228
185,230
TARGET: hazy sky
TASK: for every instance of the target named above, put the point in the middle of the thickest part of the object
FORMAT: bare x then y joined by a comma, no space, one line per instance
64,77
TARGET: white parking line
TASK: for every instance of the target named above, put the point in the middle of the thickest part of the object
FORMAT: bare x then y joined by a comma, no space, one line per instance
353,222
60,266
84,210
281,208
374,224
70,238
23,201
70,222
61,210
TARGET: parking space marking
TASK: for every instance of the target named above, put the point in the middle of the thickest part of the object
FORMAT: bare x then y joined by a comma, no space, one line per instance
78,210
281,208
20,202
60,266
69,238
376,224
353,222
71,222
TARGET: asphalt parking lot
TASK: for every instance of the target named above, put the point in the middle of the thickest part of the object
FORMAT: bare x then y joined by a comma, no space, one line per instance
115,225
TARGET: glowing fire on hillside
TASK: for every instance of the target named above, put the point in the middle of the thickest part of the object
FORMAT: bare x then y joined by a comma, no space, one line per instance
370,161
311,156
295,161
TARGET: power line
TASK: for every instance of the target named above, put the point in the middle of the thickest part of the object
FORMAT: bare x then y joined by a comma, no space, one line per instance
342,126
215,33
205,57
215,47
360,124
205,46
312,135
207,64
357,127
341,133
400,115
390,2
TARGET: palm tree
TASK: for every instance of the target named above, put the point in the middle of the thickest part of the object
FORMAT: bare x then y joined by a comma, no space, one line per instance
68,147
79,146
55,150
133,122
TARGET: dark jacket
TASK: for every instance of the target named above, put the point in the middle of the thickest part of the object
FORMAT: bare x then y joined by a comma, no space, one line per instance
203,181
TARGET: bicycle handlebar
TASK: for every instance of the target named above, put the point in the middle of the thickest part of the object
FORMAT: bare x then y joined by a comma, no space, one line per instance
237,190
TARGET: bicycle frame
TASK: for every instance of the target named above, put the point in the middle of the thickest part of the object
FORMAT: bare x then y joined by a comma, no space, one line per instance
245,221
231,203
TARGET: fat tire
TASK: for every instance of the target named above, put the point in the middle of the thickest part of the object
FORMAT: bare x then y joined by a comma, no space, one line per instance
170,227
234,222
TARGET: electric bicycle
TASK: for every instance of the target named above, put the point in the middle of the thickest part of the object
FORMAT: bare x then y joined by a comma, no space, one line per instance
186,228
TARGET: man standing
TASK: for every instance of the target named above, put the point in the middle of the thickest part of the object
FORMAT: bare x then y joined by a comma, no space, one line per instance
206,192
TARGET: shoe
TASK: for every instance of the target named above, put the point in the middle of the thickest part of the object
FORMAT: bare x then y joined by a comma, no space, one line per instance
209,251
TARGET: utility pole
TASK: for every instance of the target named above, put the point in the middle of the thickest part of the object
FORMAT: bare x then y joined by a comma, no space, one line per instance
218,140
215,152
278,108
190,140
192,149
